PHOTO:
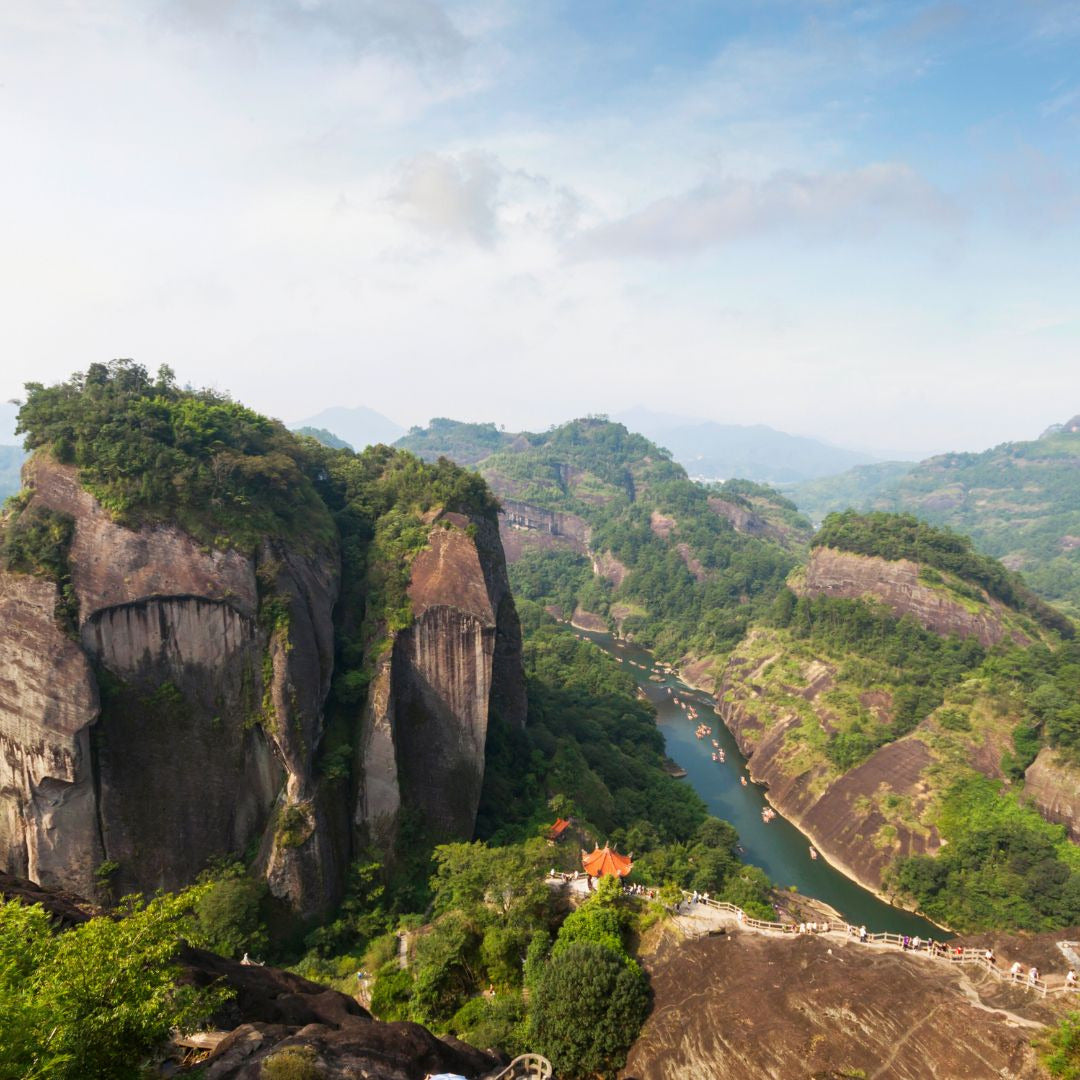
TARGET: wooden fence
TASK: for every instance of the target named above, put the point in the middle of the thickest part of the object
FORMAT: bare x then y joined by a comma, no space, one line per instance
930,949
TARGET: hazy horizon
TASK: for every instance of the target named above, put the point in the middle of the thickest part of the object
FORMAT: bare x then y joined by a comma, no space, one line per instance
852,221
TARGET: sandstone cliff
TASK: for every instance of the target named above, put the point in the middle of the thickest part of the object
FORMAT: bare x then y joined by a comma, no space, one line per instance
523,527
445,678
181,717
1052,785
898,585
178,725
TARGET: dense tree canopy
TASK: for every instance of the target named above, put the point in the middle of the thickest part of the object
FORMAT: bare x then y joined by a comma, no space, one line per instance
95,1002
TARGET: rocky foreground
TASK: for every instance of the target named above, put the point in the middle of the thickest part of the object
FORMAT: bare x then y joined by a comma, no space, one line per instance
738,1005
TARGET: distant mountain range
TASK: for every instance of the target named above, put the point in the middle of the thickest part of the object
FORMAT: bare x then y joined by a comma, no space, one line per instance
11,452
713,451
358,426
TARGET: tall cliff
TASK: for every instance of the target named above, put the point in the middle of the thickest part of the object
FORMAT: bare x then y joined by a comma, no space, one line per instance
165,694
442,680
162,729
902,586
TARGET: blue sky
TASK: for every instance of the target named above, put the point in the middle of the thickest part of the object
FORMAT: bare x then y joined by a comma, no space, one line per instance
852,220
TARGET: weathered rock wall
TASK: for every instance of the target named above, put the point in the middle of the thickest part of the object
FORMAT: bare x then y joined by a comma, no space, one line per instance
184,771
1052,785
454,671
177,727
896,583
48,701
524,527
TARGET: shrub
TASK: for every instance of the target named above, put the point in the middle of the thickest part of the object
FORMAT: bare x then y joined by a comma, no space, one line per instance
589,1005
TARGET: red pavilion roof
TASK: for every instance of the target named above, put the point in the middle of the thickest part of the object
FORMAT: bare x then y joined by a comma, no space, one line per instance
603,861
560,826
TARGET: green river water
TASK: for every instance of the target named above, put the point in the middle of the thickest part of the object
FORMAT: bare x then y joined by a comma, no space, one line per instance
777,847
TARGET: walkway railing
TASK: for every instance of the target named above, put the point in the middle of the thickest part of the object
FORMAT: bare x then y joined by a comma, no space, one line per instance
931,950
526,1067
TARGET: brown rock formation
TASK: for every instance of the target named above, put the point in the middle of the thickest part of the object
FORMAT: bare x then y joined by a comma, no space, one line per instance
745,521
184,721
48,700
449,674
167,732
523,526
605,565
1052,785
742,1005
896,583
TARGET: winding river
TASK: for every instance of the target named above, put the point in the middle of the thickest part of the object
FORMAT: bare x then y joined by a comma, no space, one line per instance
777,847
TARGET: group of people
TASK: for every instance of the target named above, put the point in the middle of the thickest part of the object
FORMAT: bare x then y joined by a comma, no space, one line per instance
1016,972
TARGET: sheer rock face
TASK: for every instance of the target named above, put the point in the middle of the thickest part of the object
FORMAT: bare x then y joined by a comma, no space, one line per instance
111,565
1053,786
48,700
454,669
175,723
896,583
165,734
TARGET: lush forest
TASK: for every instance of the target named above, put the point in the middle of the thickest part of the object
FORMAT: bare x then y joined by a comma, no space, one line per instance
692,583
1003,865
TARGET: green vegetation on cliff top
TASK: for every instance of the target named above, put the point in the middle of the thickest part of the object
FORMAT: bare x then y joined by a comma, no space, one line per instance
153,452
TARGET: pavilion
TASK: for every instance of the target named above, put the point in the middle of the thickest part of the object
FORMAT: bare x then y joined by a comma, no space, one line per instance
603,862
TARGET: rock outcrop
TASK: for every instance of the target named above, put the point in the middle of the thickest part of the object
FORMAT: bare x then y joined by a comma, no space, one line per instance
896,583
180,718
523,526
746,521
1052,785
271,1011
741,1005
448,675
177,726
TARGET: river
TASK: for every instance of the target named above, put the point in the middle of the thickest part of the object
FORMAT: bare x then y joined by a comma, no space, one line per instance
778,847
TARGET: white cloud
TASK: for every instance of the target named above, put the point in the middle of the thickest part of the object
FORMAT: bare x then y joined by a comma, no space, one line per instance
473,196
453,197
838,205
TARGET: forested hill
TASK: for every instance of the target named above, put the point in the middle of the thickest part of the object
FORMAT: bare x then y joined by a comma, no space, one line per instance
912,706
904,536
680,565
1019,502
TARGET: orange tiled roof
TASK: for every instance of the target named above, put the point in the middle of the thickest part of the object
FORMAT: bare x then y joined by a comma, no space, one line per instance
560,826
603,861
